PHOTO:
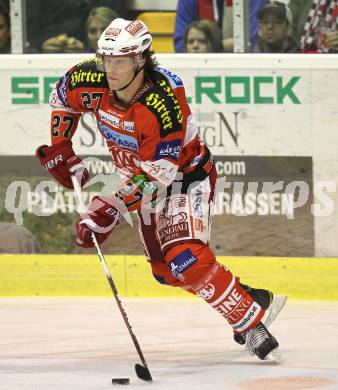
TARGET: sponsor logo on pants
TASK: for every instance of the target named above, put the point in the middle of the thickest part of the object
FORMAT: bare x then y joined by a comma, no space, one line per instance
182,262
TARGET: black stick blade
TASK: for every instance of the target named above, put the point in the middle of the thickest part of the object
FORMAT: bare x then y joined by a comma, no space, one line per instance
143,373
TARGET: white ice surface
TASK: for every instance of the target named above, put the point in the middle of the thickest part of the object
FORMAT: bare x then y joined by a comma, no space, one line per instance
82,343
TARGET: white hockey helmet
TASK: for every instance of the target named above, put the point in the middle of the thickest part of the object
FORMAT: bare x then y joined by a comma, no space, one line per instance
124,38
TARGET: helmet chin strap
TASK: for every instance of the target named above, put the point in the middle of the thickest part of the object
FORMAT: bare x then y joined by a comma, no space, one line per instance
137,71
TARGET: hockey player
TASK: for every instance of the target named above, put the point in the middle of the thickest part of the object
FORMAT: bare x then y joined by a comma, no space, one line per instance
168,173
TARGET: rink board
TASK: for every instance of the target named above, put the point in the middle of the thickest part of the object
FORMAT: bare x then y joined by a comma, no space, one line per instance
262,116
82,275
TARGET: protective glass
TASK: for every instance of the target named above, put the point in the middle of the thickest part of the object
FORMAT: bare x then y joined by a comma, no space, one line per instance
116,64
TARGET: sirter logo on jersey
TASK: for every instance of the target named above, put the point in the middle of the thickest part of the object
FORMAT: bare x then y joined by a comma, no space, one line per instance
162,102
86,74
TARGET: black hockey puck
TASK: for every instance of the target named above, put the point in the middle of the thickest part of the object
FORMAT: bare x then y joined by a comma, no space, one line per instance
120,381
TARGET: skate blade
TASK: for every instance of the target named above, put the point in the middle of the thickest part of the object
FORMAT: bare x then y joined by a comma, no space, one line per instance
275,356
274,309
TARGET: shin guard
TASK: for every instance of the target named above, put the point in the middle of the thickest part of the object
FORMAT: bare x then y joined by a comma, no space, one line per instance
196,267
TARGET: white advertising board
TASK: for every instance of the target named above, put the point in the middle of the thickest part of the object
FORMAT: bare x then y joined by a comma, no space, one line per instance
268,117
253,110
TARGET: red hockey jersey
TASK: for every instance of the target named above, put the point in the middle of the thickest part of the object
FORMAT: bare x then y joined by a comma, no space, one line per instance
156,134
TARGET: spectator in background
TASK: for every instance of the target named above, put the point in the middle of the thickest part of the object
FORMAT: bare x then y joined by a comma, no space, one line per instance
62,44
99,18
219,11
203,36
5,34
275,29
315,25
54,26
58,26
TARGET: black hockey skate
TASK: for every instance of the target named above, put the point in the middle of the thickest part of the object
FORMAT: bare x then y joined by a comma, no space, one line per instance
262,297
265,298
260,342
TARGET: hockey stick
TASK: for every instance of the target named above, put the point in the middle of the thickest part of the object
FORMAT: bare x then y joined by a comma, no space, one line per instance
141,371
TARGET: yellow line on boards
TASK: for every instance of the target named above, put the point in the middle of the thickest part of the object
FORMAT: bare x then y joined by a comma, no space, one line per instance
82,275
